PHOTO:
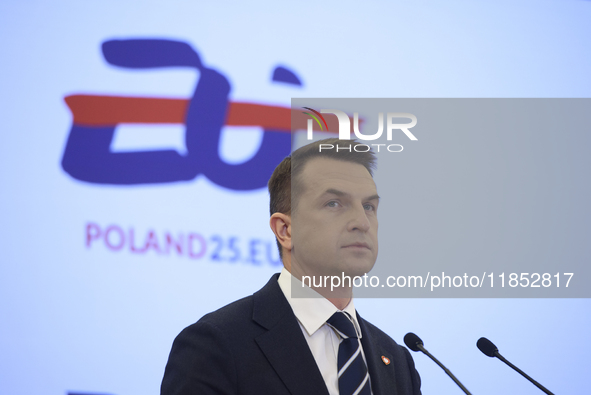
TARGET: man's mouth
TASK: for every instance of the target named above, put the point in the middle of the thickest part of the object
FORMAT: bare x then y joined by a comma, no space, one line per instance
357,245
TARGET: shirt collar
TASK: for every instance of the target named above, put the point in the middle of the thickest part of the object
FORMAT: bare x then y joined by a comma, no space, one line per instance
312,312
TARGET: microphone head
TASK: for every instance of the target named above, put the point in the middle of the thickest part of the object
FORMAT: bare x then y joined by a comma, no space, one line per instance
487,347
411,340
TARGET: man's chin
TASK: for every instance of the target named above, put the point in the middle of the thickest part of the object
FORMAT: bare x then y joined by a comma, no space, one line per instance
346,268
357,269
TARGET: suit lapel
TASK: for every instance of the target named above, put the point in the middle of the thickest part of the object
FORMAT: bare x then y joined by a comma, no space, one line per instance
382,375
284,344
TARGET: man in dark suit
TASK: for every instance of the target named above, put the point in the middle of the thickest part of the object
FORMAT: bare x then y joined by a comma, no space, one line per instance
324,216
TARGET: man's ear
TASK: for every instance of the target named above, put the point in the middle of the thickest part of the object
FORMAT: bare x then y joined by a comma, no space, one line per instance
281,225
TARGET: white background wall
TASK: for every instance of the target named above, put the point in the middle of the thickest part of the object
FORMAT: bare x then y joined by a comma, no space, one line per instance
88,319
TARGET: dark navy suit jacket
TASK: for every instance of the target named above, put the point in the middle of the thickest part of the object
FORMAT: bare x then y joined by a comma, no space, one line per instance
255,346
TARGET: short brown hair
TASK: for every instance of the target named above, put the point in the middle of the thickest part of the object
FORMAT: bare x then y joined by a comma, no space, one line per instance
281,182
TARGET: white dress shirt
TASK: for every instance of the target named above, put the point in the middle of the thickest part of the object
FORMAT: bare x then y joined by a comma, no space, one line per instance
323,341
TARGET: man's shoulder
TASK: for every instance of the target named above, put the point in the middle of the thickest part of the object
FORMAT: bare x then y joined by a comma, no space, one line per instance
219,329
217,353
228,315
240,314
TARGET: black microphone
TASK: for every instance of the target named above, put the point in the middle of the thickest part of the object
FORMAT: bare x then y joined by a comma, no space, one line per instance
415,343
490,350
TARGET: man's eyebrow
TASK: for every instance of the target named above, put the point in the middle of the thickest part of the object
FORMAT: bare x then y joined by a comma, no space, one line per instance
336,192
373,197
332,191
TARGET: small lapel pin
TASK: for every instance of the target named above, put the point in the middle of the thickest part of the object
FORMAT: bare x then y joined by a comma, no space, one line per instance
385,360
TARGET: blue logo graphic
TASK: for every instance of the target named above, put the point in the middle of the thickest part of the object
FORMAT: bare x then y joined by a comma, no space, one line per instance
87,156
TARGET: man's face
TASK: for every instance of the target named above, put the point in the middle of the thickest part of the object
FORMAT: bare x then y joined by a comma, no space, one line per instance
335,224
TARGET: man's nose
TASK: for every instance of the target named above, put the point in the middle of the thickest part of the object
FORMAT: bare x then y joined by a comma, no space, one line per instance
359,219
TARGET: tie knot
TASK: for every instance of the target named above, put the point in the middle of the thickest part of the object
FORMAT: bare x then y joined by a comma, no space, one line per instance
341,322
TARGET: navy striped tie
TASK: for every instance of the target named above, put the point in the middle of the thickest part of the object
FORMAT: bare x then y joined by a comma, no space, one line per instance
352,370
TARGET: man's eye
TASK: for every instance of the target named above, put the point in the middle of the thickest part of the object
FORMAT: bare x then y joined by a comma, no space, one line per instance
332,203
369,207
